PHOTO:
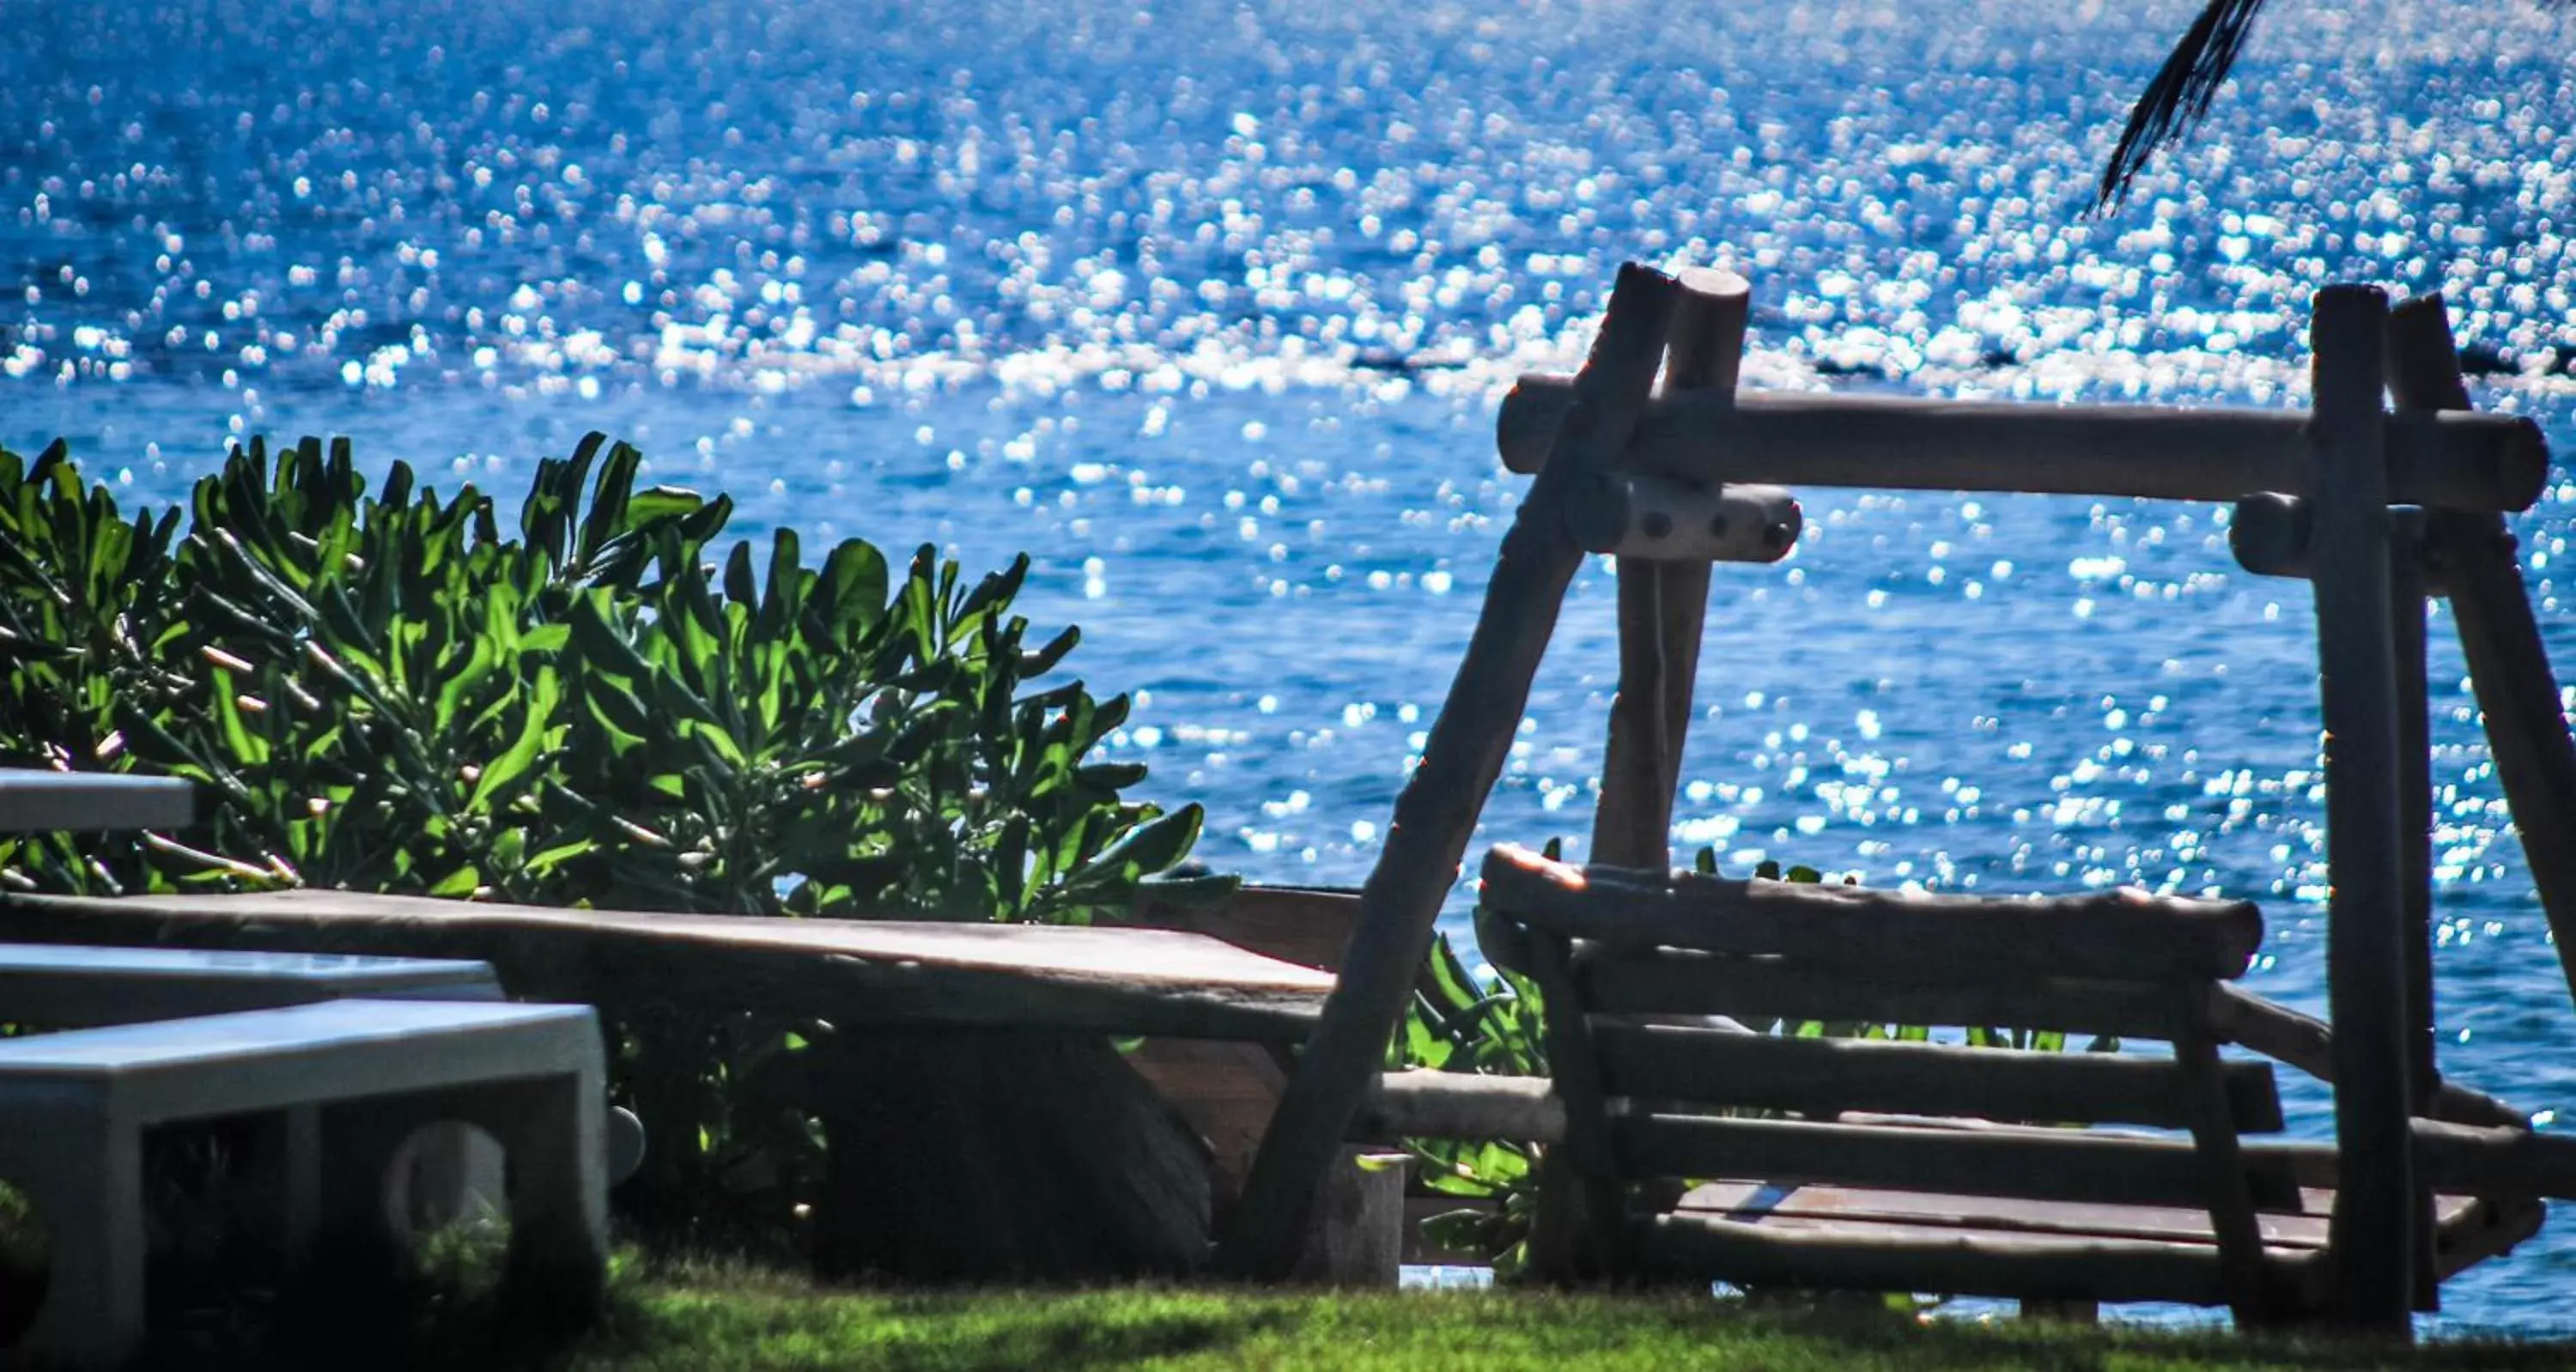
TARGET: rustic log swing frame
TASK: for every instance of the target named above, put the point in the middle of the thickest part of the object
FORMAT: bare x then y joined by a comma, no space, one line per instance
1654,478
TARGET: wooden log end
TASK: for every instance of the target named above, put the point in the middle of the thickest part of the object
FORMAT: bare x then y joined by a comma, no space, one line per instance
2522,465
2269,534
1527,420
1672,521
1510,868
1714,282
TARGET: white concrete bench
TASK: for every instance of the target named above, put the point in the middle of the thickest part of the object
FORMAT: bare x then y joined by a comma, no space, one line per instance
348,1081
68,986
34,801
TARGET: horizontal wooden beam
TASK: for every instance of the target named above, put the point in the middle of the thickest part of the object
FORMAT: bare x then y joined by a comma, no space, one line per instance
1459,1105
2121,935
1821,1075
998,976
2495,1162
1682,981
2454,1159
2041,1164
2456,461
2307,1043
2271,536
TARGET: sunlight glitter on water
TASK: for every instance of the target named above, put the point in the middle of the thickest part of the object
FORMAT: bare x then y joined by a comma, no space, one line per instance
1207,307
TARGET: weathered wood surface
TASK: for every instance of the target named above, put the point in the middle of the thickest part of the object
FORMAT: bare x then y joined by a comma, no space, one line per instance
1705,356
2271,535
1998,1160
1574,1059
2469,1229
2535,757
1437,810
2496,1162
1663,604
1459,1105
1356,1238
1307,925
975,1155
2454,461
1862,1255
2407,592
1227,1092
2302,1227
850,972
2365,948
2214,1125
2121,935
1670,1062
1683,981
34,801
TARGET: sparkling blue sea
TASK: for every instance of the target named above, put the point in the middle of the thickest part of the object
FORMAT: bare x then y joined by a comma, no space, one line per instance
1208,306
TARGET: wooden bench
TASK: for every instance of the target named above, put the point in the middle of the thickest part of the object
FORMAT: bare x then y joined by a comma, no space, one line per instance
1875,1163
348,1082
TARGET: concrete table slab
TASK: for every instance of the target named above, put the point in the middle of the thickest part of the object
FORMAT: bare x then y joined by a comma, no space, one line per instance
69,986
33,801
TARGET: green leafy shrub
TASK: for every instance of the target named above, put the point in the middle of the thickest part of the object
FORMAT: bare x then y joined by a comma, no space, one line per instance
385,691
1494,1025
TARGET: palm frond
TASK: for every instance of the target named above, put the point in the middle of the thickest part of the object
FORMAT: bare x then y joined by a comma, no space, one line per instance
2179,96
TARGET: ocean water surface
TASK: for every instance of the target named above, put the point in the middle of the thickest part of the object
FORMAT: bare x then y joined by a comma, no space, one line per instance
1208,306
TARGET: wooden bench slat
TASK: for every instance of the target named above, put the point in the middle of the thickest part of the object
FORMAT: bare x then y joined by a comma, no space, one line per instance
1865,1256
2471,1228
1684,981
2304,1227
2042,1164
1672,1062
2122,935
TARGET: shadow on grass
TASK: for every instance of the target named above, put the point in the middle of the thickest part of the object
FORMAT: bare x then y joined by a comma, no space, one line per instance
674,1315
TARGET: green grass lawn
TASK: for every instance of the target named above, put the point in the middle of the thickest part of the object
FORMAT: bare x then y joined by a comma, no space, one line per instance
685,1317
694,1317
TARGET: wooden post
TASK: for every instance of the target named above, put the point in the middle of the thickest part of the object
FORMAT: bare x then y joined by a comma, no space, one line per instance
2406,602
1572,1060
1437,810
2371,1235
2232,1220
1662,609
2527,733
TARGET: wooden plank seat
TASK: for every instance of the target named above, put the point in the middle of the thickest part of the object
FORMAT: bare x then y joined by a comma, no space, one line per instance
1867,1161
347,1082
885,972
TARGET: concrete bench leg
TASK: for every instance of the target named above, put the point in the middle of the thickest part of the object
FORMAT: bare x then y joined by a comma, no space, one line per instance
555,1134
552,1131
83,1172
